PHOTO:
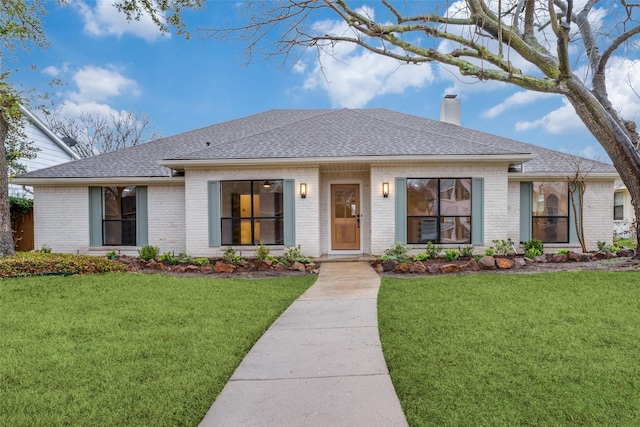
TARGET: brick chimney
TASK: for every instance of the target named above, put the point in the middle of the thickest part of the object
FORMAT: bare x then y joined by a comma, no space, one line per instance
450,110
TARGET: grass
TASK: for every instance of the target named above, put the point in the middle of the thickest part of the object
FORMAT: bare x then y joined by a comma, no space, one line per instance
628,242
552,349
127,349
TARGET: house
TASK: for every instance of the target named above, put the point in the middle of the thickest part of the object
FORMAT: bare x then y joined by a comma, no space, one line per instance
623,213
51,150
335,182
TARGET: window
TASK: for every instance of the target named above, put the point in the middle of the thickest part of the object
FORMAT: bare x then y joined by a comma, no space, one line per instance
252,212
439,210
119,216
550,212
618,206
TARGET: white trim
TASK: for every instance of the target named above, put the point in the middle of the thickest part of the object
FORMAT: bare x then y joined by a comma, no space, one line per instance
517,176
107,181
40,125
330,183
181,164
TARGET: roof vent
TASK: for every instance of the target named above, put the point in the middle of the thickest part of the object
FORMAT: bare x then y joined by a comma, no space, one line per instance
450,110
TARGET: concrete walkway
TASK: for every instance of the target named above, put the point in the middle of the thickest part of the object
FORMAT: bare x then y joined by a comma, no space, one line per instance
319,364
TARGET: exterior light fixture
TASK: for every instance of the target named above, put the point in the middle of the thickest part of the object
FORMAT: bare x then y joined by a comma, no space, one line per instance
385,189
303,190
267,184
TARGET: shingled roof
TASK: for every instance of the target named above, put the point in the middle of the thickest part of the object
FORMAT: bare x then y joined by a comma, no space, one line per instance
374,134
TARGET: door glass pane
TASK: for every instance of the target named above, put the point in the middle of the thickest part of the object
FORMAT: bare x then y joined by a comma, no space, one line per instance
345,205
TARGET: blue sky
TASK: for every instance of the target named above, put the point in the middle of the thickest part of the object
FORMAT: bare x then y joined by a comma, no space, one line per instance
109,65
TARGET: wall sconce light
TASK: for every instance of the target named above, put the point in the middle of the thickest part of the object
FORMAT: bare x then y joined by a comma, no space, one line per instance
385,189
303,190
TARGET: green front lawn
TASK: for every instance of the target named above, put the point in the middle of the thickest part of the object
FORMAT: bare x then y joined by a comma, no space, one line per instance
127,349
551,349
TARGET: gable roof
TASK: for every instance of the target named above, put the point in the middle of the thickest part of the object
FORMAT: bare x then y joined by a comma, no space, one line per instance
307,136
45,129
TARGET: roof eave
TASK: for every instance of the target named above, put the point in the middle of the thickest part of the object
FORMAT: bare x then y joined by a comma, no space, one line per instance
528,176
102,181
507,158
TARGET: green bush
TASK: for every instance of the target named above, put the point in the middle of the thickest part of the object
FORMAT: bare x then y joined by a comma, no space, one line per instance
451,254
397,253
562,251
184,258
39,264
294,254
467,251
489,251
433,250
503,247
112,255
532,253
534,243
44,249
169,258
262,252
231,256
421,256
149,252
201,261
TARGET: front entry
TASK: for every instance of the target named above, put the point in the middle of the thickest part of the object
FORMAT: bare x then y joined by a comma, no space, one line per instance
345,217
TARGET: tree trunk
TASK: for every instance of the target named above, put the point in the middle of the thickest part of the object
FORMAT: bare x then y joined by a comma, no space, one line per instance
7,246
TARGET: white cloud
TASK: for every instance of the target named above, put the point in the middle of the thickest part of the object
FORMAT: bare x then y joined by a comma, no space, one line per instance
99,84
518,99
353,76
104,19
563,120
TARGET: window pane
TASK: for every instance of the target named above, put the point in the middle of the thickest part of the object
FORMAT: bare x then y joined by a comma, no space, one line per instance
455,197
236,232
455,229
618,213
550,199
268,200
422,197
235,197
551,230
119,216
269,231
422,230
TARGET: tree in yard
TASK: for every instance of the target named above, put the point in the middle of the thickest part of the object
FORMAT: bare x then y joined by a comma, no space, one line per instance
96,133
563,47
20,28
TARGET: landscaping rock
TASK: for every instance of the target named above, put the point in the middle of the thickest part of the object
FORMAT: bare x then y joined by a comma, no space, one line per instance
602,255
389,265
573,256
151,264
433,269
206,269
450,268
223,267
625,252
503,263
557,258
311,266
297,266
417,267
280,267
191,268
472,265
520,262
586,257
161,267
402,268
378,268
487,263
540,258
263,264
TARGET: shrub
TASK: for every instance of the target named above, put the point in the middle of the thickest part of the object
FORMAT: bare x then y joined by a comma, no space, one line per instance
503,247
294,254
39,264
433,250
562,251
149,252
489,251
231,256
534,243
421,256
467,251
44,249
397,253
112,255
532,253
603,247
262,252
169,258
184,258
201,261
451,254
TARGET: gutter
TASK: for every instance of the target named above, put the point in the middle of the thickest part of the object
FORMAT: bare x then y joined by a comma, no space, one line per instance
101,181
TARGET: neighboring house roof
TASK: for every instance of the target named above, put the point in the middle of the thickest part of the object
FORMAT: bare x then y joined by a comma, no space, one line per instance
315,136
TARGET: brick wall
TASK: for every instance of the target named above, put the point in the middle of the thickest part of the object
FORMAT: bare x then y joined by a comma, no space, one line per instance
166,216
61,218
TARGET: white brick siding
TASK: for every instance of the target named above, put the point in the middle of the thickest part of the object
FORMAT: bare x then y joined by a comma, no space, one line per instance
513,212
61,218
598,213
307,210
166,216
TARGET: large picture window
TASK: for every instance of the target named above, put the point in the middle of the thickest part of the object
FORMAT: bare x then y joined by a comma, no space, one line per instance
550,212
439,210
119,216
252,212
